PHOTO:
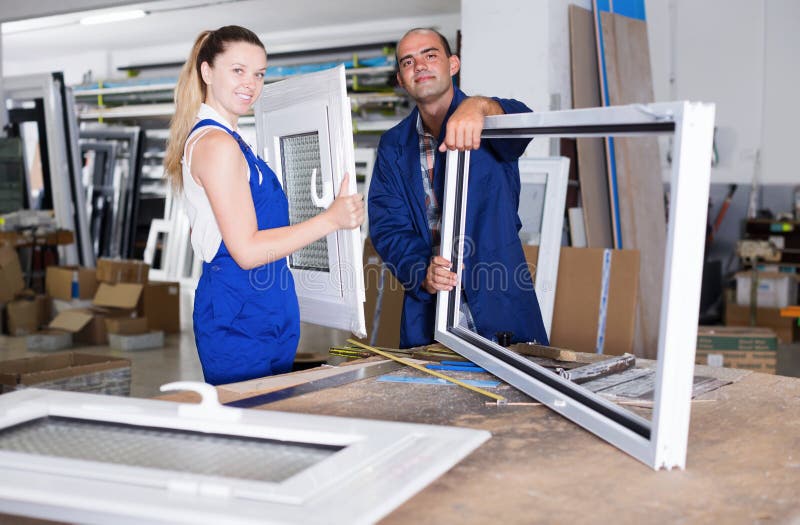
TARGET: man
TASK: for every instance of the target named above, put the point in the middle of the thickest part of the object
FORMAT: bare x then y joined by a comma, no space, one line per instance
406,194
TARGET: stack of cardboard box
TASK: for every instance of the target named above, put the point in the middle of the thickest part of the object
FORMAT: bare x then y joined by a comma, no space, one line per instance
87,304
751,348
786,328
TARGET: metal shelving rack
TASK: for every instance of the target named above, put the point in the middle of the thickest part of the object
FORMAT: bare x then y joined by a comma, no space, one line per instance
154,101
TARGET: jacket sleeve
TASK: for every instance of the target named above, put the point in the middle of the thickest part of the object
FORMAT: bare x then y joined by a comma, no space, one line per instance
402,248
509,149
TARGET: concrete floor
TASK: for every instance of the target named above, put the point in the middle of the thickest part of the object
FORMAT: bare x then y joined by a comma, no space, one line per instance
178,359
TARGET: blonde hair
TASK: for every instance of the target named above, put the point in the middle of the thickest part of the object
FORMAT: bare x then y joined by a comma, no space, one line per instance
190,92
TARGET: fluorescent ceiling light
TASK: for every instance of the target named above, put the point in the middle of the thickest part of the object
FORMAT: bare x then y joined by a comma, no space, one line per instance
35,24
116,16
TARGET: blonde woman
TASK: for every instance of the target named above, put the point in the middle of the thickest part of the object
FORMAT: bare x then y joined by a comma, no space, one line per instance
246,317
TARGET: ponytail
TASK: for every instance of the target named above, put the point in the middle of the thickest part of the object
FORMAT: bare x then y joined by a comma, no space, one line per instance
190,92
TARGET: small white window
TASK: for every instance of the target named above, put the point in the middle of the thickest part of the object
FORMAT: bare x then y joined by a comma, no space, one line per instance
305,134
543,194
86,458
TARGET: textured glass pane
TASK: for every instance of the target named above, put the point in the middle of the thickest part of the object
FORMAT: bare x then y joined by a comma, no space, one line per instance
300,156
531,209
166,449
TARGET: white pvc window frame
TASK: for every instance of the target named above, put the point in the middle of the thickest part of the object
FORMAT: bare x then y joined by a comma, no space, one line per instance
379,466
553,173
365,157
318,103
64,158
660,442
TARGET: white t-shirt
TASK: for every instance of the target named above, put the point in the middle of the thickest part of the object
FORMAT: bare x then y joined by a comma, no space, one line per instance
206,237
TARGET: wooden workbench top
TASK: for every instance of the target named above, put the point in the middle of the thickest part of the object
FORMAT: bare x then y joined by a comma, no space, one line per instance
743,461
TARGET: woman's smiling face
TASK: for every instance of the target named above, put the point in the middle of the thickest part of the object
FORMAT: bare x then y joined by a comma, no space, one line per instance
234,80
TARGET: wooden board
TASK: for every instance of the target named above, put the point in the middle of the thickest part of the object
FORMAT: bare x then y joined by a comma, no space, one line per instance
640,188
591,152
264,385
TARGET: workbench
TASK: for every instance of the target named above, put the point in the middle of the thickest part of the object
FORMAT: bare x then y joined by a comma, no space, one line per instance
743,461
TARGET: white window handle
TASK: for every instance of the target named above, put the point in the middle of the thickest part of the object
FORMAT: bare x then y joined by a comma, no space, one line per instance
209,407
327,191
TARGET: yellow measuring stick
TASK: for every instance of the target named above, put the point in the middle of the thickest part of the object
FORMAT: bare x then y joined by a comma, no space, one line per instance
496,397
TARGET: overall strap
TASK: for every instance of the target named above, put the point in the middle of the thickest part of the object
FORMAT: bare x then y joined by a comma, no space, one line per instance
246,151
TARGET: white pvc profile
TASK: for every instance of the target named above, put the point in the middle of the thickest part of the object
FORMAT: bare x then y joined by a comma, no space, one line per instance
63,154
317,103
371,468
365,162
553,174
661,442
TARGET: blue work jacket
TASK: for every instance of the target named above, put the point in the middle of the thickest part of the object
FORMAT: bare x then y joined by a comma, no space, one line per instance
496,279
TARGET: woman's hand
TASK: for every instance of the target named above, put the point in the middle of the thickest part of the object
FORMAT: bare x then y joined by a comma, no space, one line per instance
346,211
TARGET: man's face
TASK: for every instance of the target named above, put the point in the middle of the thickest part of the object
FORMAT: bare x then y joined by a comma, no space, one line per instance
425,70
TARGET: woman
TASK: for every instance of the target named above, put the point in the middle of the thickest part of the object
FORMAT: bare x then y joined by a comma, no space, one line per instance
246,317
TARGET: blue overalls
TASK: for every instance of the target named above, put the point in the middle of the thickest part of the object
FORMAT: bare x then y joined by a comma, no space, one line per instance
247,322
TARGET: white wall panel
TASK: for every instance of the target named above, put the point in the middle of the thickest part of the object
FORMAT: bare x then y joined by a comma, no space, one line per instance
518,49
742,56
779,159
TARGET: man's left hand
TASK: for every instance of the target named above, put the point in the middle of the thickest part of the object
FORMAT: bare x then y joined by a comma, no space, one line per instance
465,125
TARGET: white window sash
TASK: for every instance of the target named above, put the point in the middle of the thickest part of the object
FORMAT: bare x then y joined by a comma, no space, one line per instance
318,102
379,466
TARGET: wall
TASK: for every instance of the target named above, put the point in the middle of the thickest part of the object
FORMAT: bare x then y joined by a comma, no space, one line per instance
104,63
782,79
741,55
73,66
518,49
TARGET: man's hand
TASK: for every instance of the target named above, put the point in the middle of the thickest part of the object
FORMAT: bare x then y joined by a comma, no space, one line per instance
439,277
465,125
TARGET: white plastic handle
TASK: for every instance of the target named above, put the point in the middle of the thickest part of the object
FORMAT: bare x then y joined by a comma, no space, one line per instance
327,192
209,407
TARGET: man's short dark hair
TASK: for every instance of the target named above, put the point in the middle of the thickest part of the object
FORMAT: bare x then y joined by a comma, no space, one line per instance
445,43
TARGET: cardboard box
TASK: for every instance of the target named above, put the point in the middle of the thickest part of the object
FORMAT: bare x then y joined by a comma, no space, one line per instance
785,328
577,309
27,314
161,306
122,271
126,325
72,321
738,338
58,282
122,296
11,281
384,301
747,348
87,325
68,371
773,290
